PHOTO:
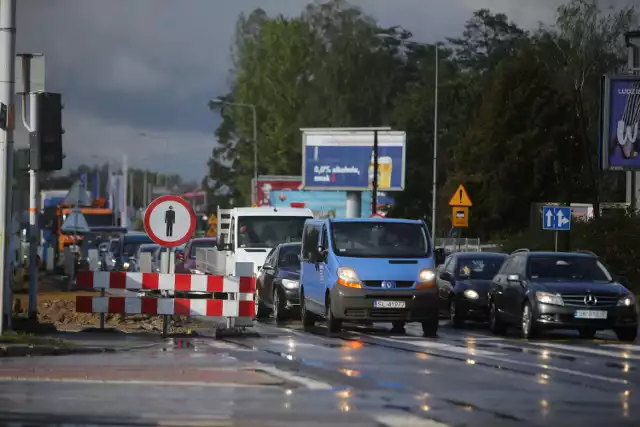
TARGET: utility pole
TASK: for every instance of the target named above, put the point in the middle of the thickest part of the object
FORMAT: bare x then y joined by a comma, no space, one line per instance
632,39
7,95
145,189
374,180
434,190
124,221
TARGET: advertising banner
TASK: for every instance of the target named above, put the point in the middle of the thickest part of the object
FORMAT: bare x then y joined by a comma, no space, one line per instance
344,160
268,185
328,204
620,123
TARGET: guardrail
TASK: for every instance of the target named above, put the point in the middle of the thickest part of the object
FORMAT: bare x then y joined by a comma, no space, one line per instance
464,244
212,261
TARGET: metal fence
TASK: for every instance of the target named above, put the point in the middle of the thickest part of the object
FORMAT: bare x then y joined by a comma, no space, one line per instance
464,244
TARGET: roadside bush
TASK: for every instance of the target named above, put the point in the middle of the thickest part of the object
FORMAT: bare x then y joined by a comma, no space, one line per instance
615,238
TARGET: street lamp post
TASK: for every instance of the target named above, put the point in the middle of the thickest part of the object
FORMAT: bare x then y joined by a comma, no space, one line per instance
219,101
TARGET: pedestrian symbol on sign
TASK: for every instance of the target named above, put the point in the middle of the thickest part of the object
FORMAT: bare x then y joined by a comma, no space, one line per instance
170,219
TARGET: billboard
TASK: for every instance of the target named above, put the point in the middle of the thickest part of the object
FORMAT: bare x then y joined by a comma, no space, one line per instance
619,146
268,184
343,160
328,204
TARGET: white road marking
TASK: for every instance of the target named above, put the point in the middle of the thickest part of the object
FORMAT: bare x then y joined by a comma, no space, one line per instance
623,346
135,382
444,347
495,356
406,420
588,350
307,382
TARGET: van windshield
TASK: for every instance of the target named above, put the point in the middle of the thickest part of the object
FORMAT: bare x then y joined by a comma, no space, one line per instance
380,240
269,231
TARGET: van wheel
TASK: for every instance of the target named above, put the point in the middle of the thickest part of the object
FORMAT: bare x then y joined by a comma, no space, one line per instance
308,319
333,325
262,311
430,327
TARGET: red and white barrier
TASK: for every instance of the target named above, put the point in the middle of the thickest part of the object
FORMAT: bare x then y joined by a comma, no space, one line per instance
164,282
236,301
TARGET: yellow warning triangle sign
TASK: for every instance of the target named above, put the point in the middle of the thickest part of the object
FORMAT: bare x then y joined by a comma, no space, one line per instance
460,198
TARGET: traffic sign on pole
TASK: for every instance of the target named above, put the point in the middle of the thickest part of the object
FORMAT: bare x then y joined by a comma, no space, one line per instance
169,221
460,198
556,218
460,217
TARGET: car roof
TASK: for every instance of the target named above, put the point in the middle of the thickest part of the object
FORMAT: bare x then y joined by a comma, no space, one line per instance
376,219
561,254
477,255
290,244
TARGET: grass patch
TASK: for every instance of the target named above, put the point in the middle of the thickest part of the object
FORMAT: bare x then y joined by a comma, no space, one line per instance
17,338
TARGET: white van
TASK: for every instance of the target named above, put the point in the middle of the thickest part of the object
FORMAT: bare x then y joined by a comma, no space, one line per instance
249,234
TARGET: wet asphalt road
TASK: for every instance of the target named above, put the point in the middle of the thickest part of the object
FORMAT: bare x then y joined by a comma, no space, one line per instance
282,375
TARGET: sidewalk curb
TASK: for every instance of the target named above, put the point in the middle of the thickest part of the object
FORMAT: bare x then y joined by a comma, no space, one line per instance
27,351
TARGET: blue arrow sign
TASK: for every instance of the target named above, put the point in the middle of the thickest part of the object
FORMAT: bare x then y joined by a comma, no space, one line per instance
556,218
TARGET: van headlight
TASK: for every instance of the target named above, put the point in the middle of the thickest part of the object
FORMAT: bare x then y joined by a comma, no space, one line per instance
549,298
426,278
347,277
626,301
290,284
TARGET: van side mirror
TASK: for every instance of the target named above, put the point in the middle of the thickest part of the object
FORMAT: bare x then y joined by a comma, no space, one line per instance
321,255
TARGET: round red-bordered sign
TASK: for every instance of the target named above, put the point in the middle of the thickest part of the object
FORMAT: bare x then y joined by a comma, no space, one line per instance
169,221
376,215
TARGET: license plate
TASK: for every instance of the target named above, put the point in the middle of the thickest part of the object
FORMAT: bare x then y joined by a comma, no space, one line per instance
590,314
389,304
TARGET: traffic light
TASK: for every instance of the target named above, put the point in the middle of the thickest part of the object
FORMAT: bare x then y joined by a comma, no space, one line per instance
47,138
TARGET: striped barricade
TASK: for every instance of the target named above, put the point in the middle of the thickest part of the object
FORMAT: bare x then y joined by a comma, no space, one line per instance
224,296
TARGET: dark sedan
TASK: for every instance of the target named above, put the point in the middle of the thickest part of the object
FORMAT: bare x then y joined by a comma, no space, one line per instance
556,290
186,260
463,283
278,282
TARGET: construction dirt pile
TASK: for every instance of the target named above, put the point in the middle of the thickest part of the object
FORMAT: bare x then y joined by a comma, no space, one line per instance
61,313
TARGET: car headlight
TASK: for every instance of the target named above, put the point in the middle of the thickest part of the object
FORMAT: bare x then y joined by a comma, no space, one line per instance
627,301
471,294
290,284
347,277
126,265
549,298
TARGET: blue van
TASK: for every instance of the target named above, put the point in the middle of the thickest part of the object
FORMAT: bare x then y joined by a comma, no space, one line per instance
368,270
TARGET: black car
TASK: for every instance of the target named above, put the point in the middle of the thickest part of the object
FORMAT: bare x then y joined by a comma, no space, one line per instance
560,290
463,284
278,282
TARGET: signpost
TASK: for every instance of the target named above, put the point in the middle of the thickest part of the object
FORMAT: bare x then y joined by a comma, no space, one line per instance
169,221
556,218
460,203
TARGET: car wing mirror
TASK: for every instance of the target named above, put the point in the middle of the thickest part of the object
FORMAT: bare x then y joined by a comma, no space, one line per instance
514,278
445,275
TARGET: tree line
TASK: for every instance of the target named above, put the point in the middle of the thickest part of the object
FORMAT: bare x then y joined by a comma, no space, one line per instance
518,109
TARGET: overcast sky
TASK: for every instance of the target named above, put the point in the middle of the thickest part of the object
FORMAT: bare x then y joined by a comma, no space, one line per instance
136,74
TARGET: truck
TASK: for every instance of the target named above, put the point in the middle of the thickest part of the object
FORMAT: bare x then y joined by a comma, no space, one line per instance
249,234
96,215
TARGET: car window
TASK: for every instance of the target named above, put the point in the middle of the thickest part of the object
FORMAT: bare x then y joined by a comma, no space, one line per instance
567,268
288,256
451,265
478,267
269,260
507,266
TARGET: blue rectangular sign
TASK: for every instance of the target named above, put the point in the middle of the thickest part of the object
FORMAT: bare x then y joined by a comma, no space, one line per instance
344,160
556,218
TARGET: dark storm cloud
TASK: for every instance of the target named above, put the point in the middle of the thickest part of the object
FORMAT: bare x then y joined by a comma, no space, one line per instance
127,67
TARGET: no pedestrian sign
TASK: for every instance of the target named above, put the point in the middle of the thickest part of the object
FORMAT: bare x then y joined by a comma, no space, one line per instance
169,221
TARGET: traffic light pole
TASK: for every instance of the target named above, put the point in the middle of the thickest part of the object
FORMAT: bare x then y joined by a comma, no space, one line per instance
7,96
33,211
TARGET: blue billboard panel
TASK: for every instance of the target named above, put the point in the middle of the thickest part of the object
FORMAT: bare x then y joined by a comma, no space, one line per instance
326,204
344,160
620,123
